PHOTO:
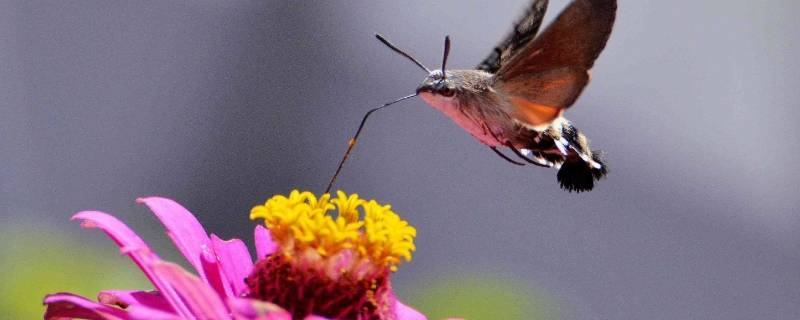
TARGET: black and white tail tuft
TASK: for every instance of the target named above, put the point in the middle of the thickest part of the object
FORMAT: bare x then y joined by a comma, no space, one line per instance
577,175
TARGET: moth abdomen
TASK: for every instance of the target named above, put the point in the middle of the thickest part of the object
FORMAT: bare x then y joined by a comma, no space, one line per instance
567,149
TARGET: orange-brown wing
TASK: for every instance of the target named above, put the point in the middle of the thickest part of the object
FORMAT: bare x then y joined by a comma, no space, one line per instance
540,97
551,71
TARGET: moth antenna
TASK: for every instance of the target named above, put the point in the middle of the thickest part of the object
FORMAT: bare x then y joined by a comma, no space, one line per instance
401,52
352,142
444,57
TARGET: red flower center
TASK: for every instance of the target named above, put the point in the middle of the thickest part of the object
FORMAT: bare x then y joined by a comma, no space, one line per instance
305,291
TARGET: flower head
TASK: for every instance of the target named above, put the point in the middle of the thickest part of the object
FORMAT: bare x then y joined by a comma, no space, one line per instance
370,234
348,256
217,290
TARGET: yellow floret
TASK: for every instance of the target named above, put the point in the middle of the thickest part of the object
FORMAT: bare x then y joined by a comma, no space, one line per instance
374,232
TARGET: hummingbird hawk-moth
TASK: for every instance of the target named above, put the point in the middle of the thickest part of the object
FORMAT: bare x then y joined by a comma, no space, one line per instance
516,97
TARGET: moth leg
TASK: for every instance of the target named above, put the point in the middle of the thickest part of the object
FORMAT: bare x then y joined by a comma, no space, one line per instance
536,161
537,156
506,157
540,162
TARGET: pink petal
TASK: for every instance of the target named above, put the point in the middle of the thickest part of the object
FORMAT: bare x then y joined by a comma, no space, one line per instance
264,244
133,246
140,312
146,305
315,318
124,299
214,274
405,312
235,262
126,239
182,227
68,306
201,299
250,309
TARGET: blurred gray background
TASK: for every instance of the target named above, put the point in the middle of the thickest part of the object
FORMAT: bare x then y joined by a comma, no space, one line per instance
220,105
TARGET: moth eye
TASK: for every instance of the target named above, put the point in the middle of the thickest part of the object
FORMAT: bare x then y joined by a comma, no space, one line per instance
447,92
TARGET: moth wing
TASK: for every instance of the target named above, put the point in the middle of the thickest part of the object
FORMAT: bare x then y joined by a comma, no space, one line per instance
538,98
552,70
575,38
524,30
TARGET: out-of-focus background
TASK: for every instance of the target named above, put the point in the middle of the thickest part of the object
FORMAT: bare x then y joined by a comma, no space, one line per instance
221,104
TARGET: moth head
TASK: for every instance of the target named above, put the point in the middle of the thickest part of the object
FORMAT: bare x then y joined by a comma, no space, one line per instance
438,83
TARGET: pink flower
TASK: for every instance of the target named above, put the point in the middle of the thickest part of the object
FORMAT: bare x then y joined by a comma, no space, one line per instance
218,291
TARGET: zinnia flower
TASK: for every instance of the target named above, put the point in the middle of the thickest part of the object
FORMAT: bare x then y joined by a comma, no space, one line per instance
310,265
